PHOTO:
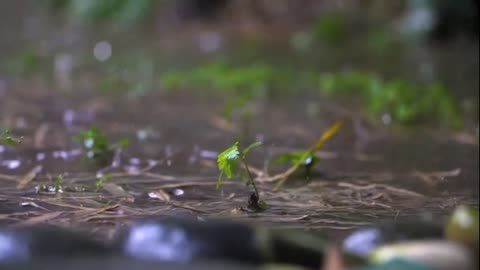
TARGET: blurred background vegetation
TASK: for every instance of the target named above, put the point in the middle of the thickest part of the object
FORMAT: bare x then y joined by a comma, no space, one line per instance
393,59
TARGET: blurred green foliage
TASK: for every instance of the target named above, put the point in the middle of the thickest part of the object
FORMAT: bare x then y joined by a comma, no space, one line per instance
254,79
58,183
408,102
101,181
97,146
331,28
244,83
94,11
26,62
95,143
6,137
380,39
301,41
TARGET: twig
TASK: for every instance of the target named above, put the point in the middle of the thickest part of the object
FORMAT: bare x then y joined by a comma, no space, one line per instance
25,180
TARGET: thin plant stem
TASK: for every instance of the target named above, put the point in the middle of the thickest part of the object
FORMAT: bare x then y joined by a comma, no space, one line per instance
250,177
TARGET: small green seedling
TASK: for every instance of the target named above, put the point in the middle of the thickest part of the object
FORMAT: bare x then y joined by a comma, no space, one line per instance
101,181
232,162
6,137
306,158
58,183
97,146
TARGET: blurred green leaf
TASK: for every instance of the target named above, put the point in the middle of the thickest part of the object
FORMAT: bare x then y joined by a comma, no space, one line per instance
97,146
6,137
101,181
115,11
331,28
406,101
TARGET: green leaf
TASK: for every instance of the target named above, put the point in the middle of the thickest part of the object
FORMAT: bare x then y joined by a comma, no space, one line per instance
6,137
250,147
228,162
58,182
303,158
327,135
97,146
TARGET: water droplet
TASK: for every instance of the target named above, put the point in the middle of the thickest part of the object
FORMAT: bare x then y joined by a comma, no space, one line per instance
153,195
178,192
152,162
134,161
11,164
386,119
133,169
209,41
89,143
102,51
40,156
207,154
63,67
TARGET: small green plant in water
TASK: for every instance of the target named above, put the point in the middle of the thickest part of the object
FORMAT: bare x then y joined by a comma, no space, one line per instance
96,145
58,183
6,137
306,158
233,162
101,181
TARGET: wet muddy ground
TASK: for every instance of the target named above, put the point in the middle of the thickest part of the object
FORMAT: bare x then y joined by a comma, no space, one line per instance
368,173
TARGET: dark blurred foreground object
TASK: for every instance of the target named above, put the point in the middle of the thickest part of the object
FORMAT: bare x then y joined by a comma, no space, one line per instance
175,243
442,19
169,241
130,12
189,241
205,9
456,17
440,246
43,242
362,242
119,263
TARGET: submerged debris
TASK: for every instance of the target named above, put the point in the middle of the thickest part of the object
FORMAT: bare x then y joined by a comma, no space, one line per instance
189,241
